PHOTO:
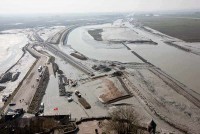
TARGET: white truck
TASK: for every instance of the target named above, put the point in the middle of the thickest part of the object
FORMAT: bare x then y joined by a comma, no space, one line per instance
39,68
41,109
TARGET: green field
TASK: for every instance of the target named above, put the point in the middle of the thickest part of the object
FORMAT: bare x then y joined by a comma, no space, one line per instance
185,28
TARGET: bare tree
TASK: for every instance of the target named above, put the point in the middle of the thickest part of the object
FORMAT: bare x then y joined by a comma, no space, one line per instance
124,120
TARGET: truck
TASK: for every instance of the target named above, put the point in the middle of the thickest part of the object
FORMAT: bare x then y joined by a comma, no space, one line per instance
39,68
77,93
41,108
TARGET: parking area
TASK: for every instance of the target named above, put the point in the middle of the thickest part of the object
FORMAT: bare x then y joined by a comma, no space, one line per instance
54,104
59,105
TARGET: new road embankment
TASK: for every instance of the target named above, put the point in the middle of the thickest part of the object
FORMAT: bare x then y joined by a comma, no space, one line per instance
68,59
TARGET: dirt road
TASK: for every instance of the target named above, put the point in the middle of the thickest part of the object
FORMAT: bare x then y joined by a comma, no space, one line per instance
25,94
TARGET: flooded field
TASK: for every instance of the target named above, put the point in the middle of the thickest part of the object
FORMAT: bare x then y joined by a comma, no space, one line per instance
98,68
99,51
182,66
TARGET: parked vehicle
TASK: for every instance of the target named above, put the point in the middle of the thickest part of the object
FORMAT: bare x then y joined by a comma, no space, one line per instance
39,68
12,104
41,108
77,93
5,98
37,79
41,73
69,99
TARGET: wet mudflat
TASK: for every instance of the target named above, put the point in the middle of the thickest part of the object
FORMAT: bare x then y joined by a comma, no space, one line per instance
182,66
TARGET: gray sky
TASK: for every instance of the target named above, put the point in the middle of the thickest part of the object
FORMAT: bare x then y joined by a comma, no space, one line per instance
77,6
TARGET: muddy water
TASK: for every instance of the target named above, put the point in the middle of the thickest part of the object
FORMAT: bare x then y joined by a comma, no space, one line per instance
183,66
96,50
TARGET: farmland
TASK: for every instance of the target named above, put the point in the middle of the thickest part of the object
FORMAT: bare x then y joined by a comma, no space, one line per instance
186,28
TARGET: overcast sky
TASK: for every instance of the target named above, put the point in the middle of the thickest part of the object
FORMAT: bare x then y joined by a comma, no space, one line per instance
78,6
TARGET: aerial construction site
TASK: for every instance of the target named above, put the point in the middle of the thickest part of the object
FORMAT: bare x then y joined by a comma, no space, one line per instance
78,73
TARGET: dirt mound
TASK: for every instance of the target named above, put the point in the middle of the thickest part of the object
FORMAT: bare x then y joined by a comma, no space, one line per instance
111,92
